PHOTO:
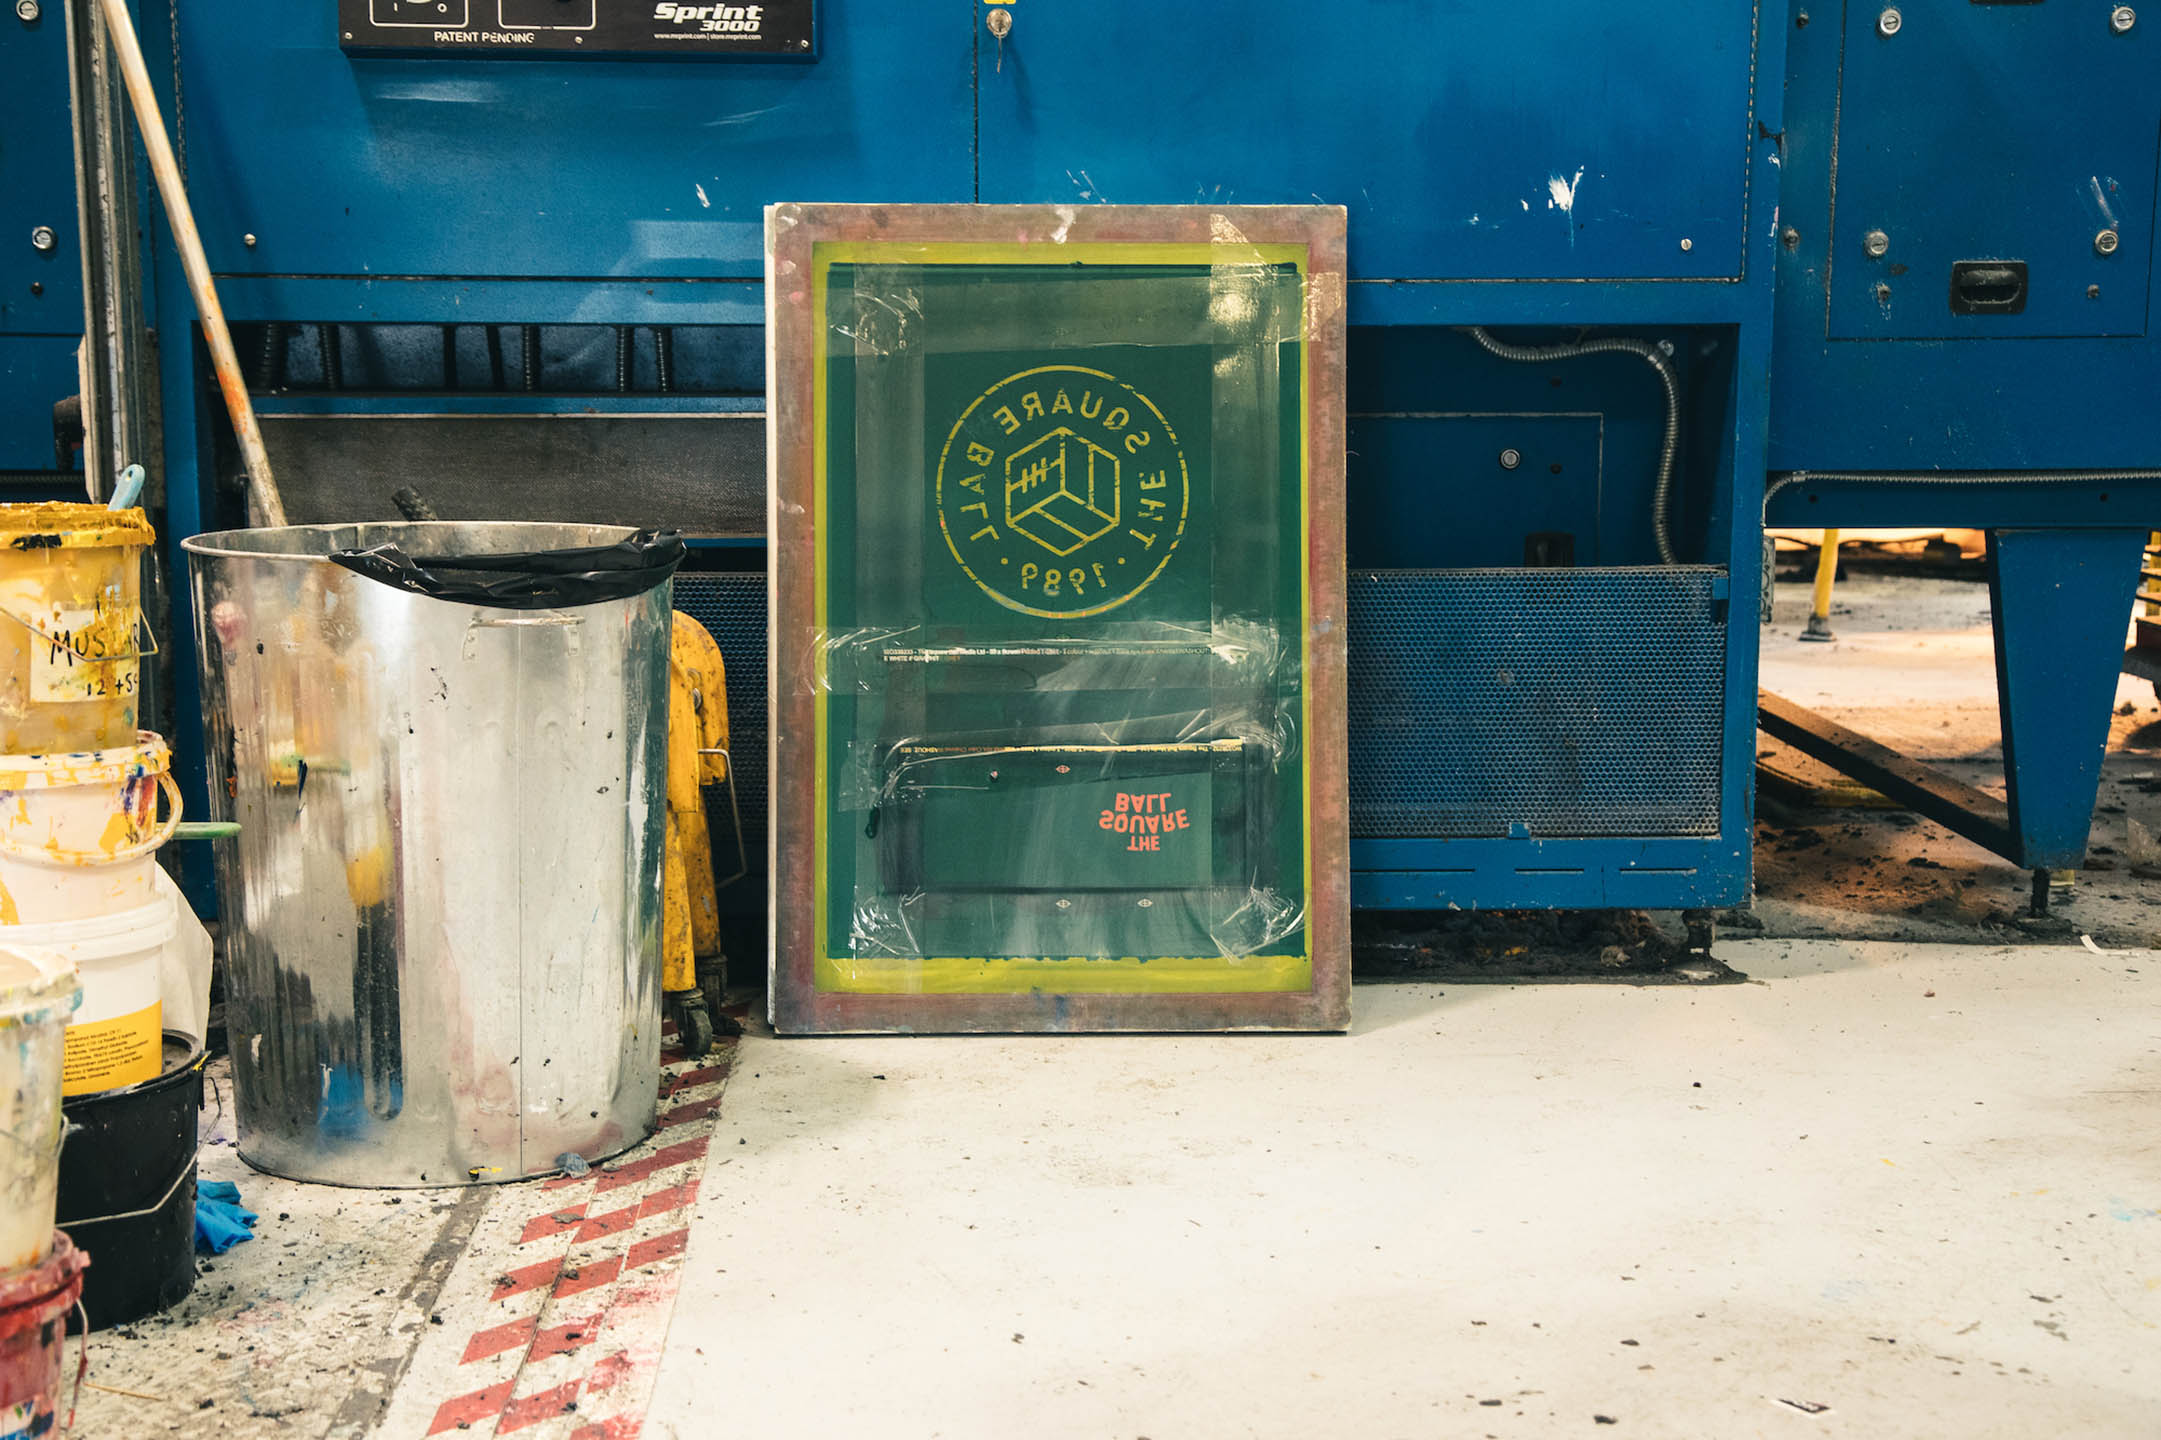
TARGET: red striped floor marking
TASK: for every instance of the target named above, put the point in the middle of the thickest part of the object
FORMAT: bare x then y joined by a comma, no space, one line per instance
553,1319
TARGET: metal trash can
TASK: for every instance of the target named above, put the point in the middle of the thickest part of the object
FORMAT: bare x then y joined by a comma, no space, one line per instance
445,747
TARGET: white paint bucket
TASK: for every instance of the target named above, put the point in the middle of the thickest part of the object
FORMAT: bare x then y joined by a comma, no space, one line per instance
38,992
79,833
116,1036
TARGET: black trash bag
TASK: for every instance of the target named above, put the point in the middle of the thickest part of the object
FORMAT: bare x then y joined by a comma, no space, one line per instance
546,580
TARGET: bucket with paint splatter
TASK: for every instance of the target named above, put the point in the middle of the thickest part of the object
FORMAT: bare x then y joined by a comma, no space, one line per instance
38,995
79,833
35,1303
70,626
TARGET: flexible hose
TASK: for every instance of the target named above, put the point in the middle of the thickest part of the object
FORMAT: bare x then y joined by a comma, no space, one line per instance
1669,447
328,341
1952,477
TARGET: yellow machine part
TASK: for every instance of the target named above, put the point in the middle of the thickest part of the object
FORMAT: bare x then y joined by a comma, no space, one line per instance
697,722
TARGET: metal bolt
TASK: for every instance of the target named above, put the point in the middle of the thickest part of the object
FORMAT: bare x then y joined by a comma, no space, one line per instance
248,240
1687,244
1888,22
1800,20
43,240
27,11
1875,242
2106,242
2093,292
1883,294
999,22
1790,238
2121,19
1510,459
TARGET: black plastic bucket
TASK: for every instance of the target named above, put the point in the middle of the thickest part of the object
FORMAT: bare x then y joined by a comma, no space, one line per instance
127,1188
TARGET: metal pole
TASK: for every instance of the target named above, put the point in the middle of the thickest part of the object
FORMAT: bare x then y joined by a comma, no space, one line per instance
1819,613
262,487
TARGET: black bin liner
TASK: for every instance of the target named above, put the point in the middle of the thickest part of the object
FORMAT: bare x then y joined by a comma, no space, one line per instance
543,580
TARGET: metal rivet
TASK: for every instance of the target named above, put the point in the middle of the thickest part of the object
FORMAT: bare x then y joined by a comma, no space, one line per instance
2093,292
43,240
248,240
1144,902
1800,21
1065,904
999,22
1790,238
2106,242
27,11
1875,242
2121,19
1510,459
1687,244
1888,22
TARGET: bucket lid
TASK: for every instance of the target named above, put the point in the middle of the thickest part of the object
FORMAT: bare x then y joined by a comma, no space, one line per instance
36,984
71,525
149,755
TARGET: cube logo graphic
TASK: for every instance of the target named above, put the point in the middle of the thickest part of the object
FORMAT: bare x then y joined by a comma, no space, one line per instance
1062,491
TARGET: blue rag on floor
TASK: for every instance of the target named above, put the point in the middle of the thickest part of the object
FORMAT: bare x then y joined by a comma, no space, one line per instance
221,1221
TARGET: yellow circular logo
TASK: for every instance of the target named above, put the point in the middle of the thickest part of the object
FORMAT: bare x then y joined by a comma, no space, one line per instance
1062,491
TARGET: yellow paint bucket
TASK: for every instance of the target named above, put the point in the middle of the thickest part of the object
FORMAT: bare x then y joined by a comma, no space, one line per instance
70,626
79,833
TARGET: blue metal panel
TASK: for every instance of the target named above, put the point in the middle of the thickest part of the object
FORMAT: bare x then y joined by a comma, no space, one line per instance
1486,139
1993,132
2015,404
35,371
343,166
41,292
1924,502
37,177
1399,461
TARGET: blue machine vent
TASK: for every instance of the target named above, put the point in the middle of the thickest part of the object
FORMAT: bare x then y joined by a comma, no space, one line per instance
731,606
1564,702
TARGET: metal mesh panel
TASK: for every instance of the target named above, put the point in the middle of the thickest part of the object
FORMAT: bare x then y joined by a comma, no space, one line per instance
731,606
1567,702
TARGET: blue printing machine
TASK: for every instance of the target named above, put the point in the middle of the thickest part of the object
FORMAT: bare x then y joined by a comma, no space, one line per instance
540,275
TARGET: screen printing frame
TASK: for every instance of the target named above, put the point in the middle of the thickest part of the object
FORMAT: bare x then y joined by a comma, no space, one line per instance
1032,235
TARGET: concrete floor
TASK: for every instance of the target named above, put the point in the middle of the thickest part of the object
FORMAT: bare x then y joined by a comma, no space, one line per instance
1919,1186
1883,1188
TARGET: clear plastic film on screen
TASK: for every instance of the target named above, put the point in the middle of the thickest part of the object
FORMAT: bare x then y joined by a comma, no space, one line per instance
1060,660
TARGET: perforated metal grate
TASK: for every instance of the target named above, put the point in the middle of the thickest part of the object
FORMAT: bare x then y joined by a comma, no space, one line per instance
1567,702
731,606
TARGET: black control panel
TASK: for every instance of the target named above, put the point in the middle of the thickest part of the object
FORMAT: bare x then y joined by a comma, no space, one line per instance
777,29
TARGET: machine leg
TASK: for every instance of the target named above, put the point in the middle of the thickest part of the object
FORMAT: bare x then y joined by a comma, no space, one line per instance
1702,932
2039,908
2060,600
1819,610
